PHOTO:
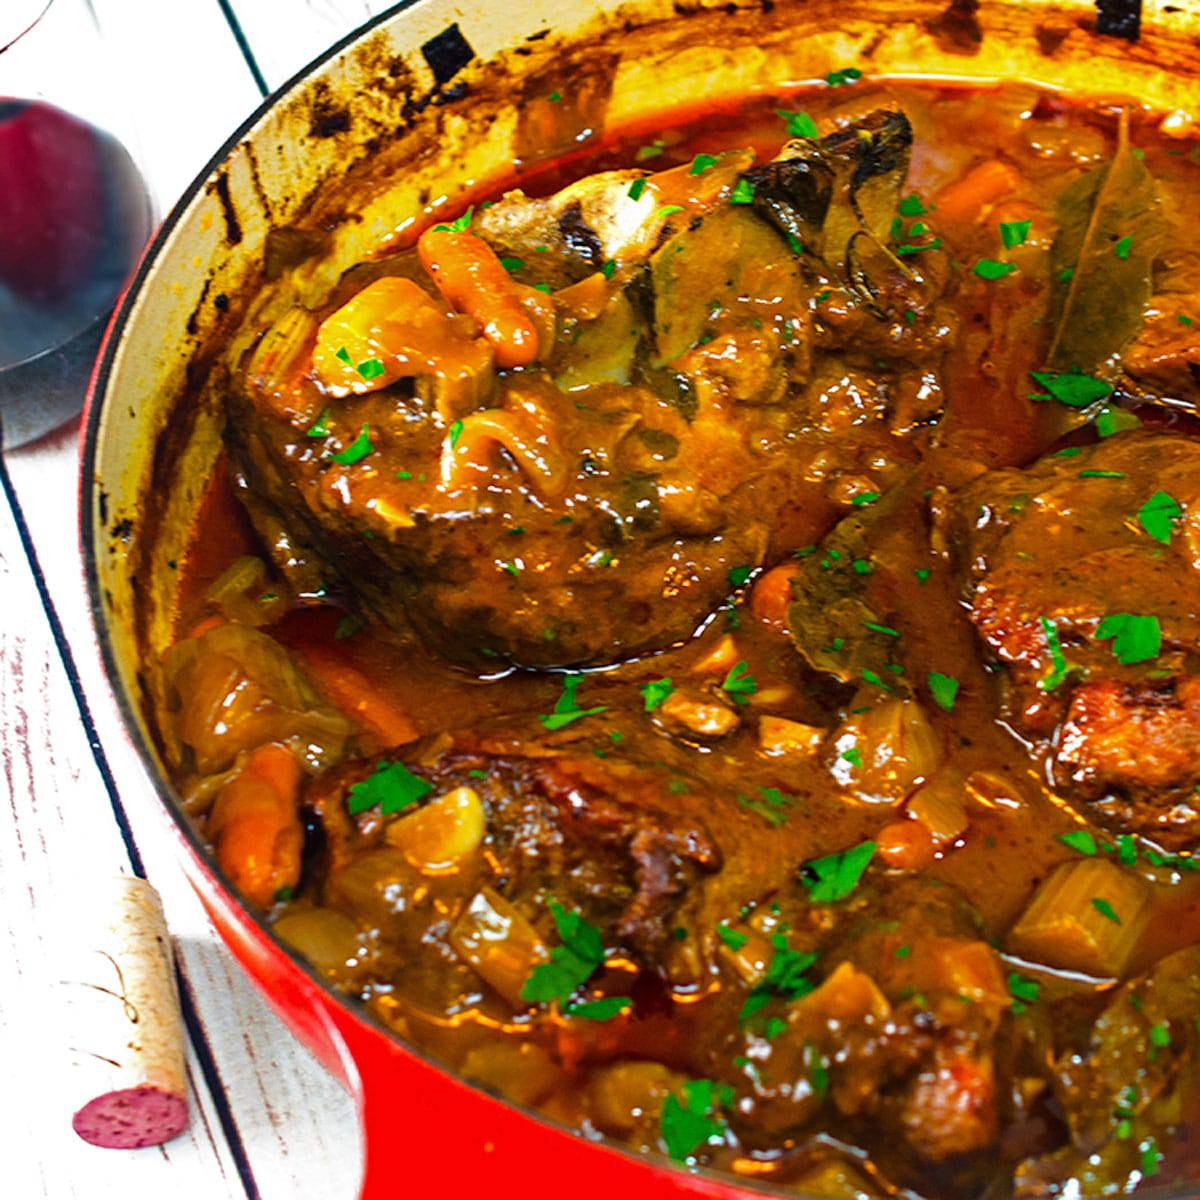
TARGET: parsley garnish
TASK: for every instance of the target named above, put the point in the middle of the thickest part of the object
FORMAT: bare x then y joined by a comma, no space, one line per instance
653,150
667,210
1058,663
357,450
688,1126
738,575
702,163
846,75
911,206
1023,991
571,963
864,498
989,268
636,188
739,683
655,692
603,1009
943,689
731,937
1123,247
370,368
607,268
1072,388
391,786
1101,474
785,978
320,427
1135,638
454,434
1080,840
1105,909
1157,516
512,264
1014,233
799,124
922,574
566,710
835,876
554,97
1111,420
461,225
772,807
742,192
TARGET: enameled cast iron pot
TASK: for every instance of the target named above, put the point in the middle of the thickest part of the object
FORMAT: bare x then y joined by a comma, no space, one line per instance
439,99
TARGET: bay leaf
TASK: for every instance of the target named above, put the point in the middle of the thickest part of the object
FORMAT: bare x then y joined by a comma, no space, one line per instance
1110,229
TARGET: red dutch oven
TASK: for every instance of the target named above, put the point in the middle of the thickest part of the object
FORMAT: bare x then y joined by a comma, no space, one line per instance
429,104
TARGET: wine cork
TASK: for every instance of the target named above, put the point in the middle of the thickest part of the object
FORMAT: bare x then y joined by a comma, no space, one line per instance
127,1077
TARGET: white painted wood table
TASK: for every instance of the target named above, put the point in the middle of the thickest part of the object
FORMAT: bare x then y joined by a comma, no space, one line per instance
266,1120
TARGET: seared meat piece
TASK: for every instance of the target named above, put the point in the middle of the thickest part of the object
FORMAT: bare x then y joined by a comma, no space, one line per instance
664,424
1081,576
595,836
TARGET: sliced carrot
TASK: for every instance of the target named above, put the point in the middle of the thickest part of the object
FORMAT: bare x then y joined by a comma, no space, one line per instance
772,596
351,691
255,825
905,844
471,277
967,198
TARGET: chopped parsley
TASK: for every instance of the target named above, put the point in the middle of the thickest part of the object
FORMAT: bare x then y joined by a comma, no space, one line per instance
738,575
653,150
1101,474
922,574
732,937
566,710
943,689
989,268
391,787
357,450
370,368
1079,840
739,683
1014,233
1105,909
772,806
844,77
608,267
702,163
668,210
1157,516
1111,420
1023,991
454,434
512,264
886,630
864,498
1135,638
1072,388
799,124
785,978
911,206
1123,247
835,876
1058,662
603,1009
1160,1035
688,1126
320,427
571,963
742,192
655,692
636,188
460,225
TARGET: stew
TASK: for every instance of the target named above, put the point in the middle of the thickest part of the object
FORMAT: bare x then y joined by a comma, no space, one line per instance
707,643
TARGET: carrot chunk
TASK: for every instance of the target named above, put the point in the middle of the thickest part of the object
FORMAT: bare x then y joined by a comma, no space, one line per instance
967,198
471,277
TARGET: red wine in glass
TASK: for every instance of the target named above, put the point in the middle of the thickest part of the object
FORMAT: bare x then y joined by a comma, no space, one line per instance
74,215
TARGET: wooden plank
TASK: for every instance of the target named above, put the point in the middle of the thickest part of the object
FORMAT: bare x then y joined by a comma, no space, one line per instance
184,85
297,1126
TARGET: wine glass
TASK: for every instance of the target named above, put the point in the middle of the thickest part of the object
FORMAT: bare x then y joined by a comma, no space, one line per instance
74,210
